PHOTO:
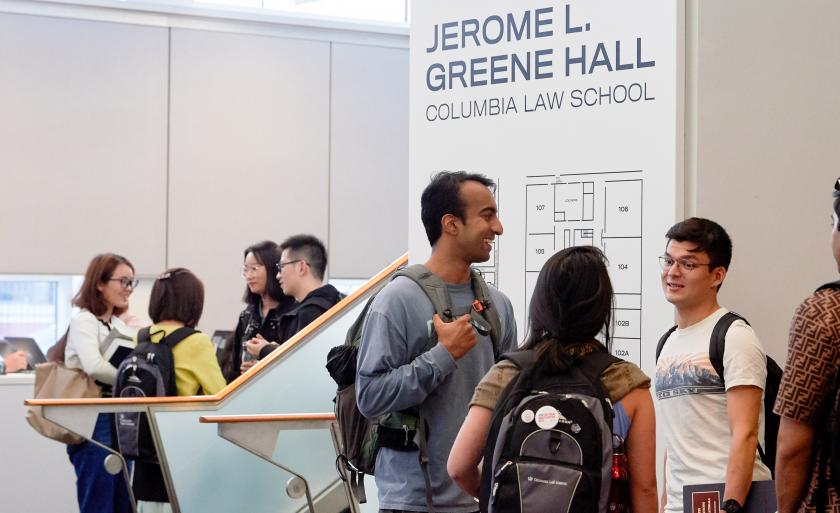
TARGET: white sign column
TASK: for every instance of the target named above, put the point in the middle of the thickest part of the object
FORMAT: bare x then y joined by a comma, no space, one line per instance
572,108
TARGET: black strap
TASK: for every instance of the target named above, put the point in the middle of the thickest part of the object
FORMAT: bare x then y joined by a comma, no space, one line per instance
176,336
596,362
524,359
354,477
821,493
717,343
423,456
717,346
662,341
832,285
357,484
593,364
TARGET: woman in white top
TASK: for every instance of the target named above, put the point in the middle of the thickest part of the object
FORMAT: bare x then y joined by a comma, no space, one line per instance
109,281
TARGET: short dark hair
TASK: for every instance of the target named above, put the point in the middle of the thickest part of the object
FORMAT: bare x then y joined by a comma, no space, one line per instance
442,196
709,237
310,249
571,303
836,195
177,295
267,253
100,270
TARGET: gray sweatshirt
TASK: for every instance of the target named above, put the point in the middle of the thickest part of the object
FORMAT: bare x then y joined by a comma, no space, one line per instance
394,373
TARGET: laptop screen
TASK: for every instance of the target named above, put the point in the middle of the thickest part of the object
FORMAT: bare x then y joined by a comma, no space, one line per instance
34,355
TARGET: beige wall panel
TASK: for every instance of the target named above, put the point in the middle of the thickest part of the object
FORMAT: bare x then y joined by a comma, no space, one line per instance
82,143
249,157
767,135
369,166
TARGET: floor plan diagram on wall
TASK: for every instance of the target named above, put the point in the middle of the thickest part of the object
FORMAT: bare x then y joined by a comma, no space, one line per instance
596,209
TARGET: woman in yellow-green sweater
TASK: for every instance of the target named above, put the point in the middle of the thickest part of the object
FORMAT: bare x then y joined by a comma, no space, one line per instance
177,300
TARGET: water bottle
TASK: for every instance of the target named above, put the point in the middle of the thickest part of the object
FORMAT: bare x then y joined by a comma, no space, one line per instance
620,488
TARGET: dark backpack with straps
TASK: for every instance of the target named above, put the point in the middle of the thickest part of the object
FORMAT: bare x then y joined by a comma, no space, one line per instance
149,371
550,445
717,345
360,438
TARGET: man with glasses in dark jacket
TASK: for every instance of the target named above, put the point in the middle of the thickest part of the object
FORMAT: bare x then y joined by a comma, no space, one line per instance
301,275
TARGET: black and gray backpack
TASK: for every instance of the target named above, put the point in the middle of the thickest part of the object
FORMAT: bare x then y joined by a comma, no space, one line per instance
360,438
550,442
149,371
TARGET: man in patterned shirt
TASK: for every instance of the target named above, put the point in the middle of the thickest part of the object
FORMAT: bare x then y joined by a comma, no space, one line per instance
807,393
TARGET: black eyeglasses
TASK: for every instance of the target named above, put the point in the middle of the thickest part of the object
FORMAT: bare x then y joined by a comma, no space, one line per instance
126,282
280,265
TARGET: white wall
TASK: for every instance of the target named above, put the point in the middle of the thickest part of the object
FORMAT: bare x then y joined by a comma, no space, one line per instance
36,473
179,140
82,143
365,105
765,139
249,128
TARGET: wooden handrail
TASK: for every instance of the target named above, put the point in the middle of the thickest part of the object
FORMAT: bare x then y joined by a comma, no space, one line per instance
285,417
289,345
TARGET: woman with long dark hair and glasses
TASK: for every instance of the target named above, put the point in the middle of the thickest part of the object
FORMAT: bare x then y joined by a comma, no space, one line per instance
265,303
108,283
570,307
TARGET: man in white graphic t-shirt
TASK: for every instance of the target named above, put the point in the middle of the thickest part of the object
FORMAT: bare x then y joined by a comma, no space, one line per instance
711,429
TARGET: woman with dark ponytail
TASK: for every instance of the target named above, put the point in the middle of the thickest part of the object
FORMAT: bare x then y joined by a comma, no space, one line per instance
570,308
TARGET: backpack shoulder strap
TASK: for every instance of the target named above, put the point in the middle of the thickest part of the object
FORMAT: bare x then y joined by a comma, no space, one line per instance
832,285
596,362
178,335
717,343
524,359
662,341
144,335
354,334
487,310
432,285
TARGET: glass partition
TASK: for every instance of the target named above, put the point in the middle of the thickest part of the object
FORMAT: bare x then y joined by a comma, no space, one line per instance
211,475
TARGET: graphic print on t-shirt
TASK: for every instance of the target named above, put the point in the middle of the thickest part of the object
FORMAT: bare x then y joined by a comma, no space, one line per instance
687,374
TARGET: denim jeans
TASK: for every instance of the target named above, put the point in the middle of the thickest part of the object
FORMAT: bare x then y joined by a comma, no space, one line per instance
97,490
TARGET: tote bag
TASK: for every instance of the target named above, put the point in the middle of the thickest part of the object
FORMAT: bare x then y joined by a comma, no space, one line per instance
55,381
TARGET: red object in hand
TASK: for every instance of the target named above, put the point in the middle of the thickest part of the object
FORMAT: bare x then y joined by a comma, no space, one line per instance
620,488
